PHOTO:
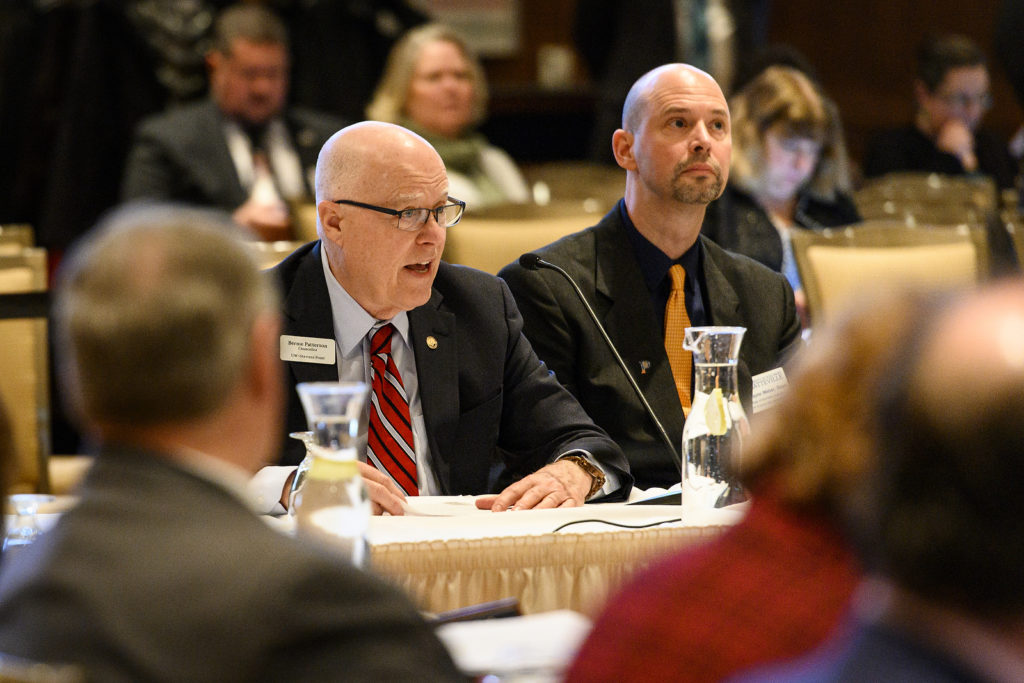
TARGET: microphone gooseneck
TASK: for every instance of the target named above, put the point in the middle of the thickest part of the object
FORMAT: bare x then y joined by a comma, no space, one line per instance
532,261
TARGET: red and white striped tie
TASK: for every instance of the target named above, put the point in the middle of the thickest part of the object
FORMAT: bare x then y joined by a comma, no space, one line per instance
389,442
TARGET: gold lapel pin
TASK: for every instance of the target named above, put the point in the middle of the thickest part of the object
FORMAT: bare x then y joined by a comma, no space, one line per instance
645,365
431,342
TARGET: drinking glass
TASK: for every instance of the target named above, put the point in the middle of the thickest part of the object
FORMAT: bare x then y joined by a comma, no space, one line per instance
25,529
332,505
300,472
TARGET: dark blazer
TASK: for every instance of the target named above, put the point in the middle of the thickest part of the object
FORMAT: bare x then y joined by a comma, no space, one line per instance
159,575
737,222
182,155
600,259
485,395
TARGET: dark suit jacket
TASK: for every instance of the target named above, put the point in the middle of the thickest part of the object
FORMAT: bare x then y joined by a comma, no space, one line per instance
182,155
484,392
159,575
908,149
600,259
737,222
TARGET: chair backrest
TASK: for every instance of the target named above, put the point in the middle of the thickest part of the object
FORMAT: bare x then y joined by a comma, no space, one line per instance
490,240
15,237
303,214
839,263
269,254
928,198
595,186
24,372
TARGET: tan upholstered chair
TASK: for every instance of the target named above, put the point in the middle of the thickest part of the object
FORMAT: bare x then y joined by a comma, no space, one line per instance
838,264
594,187
491,239
14,238
269,254
303,220
928,199
24,372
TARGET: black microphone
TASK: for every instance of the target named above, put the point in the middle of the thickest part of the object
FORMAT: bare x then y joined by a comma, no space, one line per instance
531,261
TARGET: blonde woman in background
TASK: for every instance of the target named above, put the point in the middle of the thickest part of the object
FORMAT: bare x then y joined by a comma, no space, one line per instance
789,171
434,85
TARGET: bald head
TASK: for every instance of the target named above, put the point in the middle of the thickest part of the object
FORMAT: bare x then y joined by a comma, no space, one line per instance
380,169
975,353
364,155
639,97
945,515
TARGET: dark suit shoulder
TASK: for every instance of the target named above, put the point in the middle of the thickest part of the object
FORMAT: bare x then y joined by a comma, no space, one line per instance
284,272
739,265
181,119
318,120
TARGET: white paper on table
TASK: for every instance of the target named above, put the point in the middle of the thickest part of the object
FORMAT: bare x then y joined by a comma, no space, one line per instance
535,647
442,506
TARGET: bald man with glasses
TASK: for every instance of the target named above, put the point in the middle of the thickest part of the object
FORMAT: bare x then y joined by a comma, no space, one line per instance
461,403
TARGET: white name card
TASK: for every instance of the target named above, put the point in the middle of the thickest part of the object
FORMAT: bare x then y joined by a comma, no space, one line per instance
307,349
768,388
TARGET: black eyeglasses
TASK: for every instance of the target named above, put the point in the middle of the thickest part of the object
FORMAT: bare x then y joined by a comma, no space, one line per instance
411,220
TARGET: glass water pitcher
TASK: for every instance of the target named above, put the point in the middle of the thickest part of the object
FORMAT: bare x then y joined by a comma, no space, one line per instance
714,430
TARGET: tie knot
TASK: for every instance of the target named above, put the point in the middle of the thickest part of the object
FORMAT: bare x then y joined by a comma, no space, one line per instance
380,341
678,275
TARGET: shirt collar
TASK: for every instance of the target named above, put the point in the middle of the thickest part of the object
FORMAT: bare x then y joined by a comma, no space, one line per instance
351,321
221,473
654,263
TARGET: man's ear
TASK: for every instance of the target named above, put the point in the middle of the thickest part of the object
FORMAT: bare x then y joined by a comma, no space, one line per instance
329,220
622,148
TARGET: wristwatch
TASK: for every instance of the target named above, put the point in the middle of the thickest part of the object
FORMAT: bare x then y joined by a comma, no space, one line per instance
595,472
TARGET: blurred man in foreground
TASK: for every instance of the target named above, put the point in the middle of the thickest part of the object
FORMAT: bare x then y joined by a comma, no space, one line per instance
465,388
168,341
649,274
940,523
777,584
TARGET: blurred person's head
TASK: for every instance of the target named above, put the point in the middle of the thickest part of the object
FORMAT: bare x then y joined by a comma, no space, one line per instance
433,81
816,445
787,136
248,64
943,515
952,81
384,264
675,141
163,321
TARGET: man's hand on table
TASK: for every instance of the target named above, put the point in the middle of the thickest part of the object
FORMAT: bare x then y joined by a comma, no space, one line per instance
385,496
560,484
384,493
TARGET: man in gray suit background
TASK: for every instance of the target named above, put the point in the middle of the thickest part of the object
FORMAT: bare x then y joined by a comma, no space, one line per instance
675,145
241,150
168,352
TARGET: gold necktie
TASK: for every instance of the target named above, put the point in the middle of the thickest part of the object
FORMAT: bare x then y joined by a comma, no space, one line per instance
676,322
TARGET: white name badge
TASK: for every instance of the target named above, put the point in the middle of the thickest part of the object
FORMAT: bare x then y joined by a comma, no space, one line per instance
768,388
307,349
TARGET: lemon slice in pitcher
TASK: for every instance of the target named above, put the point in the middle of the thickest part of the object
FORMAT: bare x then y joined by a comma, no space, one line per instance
715,413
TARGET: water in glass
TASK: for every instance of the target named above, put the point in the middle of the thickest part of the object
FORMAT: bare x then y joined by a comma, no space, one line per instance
714,430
